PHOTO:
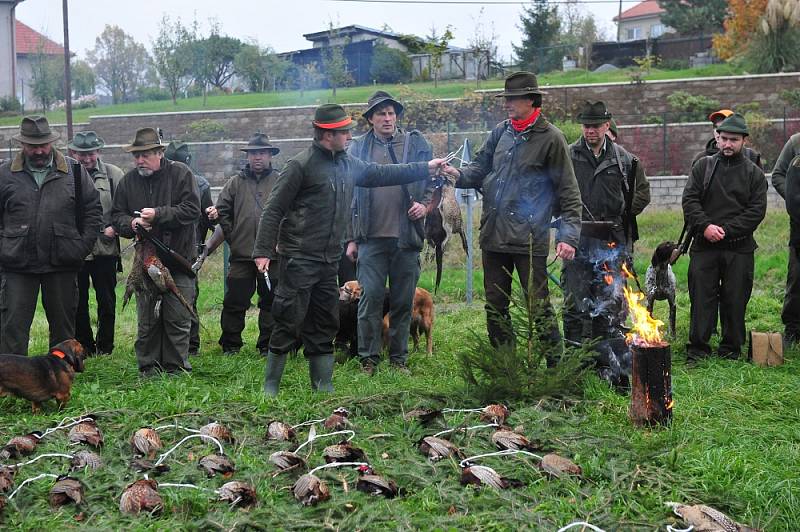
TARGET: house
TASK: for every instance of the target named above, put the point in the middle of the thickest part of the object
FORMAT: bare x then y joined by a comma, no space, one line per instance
457,63
30,43
7,63
642,21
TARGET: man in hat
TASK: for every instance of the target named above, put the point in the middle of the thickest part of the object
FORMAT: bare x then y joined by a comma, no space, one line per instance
614,190
712,145
786,172
160,196
725,200
310,204
101,265
387,233
50,217
238,210
179,151
525,174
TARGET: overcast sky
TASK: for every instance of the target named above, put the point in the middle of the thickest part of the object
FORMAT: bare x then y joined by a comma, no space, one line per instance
281,24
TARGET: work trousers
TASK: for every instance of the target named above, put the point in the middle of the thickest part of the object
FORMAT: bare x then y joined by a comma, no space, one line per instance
720,284
790,315
101,273
244,279
19,294
497,282
163,342
305,300
379,258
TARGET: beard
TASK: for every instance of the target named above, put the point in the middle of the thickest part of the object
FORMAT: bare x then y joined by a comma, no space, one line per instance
144,172
39,160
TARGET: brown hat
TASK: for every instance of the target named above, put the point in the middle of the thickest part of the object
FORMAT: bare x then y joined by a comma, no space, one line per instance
333,117
147,138
717,116
35,130
520,84
260,141
379,98
593,113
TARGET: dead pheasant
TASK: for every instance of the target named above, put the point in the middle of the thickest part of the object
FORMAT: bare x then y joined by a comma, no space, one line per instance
442,220
479,475
557,466
436,448
706,519
83,459
338,420
238,494
216,463
86,432
373,484
66,490
310,489
218,431
6,478
145,442
141,496
20,445
149,275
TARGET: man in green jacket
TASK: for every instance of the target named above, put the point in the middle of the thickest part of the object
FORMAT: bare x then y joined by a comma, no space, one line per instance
712,147
305,223
614,190
238,210
526,177
46,230
388,233
162,197
101,266
725,200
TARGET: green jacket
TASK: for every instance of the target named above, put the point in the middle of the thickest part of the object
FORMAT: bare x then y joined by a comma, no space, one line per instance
172,191
37,224
736,200
421,191
204,225
240,204
106,180
308,211
712,148
603,185
526,178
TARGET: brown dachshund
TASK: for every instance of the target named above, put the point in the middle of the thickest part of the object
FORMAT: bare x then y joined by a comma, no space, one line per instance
421,320
41,378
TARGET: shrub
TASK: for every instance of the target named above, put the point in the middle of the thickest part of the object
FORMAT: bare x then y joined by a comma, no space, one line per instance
791,97
204,130
691,108
390,65
10,104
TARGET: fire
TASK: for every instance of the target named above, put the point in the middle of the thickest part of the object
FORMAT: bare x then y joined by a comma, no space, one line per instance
645,331
611,245
607,277
626,272
670,404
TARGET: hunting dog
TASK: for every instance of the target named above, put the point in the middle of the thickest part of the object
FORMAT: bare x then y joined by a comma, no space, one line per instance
421,319
41,378
659,281
347,335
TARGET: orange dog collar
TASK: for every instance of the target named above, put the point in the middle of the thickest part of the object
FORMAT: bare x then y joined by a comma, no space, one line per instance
58,353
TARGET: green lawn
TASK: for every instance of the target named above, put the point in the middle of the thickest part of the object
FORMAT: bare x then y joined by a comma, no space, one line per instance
361,94
734,442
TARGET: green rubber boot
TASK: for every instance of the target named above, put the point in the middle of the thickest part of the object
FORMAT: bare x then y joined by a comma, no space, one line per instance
273,373
320,369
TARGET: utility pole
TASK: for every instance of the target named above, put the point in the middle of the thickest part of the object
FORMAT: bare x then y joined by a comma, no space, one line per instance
619,20
67,70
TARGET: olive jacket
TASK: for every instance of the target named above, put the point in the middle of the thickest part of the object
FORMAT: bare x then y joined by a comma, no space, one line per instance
106,180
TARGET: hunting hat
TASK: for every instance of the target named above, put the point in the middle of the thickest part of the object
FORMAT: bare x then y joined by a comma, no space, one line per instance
86,141
146,138
333,117
380,98
260,141
722,114
178,151
734,124
613,128
520,84
593,113
35,130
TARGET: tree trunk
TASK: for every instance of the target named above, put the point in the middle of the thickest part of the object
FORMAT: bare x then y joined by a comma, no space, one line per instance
651,385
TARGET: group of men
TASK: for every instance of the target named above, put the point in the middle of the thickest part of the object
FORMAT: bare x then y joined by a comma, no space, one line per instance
366,200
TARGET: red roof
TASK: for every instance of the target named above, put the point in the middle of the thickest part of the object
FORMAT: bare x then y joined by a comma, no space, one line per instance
642,9
28,41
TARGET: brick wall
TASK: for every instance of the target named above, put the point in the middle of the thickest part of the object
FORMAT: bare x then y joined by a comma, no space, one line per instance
666,193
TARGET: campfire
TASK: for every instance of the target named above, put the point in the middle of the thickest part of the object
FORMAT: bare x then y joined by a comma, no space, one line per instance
651,381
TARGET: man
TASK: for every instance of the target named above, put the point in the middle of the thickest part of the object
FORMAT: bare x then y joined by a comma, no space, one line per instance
238,210
712,146
179,151
785,167
310,204
160,196
613,131
101,266
724,201
614,190
50,218
526,176
388,233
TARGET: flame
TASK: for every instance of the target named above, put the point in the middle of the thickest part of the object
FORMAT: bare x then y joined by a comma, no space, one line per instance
626,272
670,404
645,331
607,277
611,245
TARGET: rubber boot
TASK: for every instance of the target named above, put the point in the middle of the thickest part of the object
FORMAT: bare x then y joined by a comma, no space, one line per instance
273,373
320,369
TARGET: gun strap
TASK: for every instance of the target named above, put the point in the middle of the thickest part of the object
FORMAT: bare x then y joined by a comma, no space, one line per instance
76,178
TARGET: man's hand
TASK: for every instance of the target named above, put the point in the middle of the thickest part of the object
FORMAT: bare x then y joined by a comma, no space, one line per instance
148,214
262,263
452,171
714,233
436,166
212,213
109,232
352,251
140,221
416,212
565,251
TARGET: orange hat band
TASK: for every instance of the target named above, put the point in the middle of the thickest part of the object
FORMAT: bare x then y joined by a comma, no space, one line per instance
346,122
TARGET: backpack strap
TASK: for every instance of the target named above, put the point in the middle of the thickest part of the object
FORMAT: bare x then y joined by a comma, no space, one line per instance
77,179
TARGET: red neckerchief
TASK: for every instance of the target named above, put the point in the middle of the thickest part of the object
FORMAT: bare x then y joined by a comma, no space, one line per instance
522,125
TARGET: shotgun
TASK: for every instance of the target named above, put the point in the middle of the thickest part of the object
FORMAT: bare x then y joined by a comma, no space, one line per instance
170,257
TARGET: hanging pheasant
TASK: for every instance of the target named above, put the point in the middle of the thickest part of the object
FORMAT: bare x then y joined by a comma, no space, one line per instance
442,220
150,276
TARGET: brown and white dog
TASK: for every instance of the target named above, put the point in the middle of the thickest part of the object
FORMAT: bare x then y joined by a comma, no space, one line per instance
347,335
41,378
421,320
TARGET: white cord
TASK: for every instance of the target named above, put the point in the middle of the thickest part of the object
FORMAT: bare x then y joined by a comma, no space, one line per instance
47,455
350,432
164,427
202,436
309,422
337,464
61,425
37,477
171,485
506,452
580,523
474,427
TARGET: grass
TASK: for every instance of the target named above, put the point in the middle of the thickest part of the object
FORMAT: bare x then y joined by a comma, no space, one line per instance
454,89
734,442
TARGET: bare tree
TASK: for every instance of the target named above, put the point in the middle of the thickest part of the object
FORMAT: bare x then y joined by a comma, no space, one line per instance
483,45
172,56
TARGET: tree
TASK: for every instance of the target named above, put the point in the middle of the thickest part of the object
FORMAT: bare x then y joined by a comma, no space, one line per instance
694,16
121,64
483,47
578,31
83,79
436,45
540,27
260,67
47,75
172,55
389,65
334,62
308,76
214,56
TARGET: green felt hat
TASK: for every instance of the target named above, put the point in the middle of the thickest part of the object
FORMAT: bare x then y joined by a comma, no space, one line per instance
593,113
734,124
333,117
519,84
35,130
86,141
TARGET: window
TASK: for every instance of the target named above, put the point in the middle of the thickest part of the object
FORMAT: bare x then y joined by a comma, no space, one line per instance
634,33
656,30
